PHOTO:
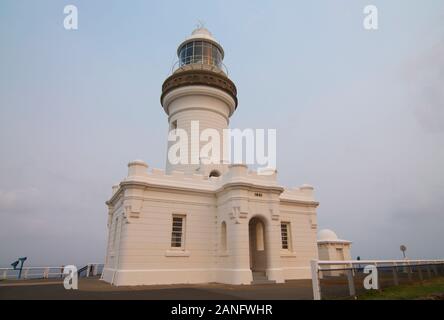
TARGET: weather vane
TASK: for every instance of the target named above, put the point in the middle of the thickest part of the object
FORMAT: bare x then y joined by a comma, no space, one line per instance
200,24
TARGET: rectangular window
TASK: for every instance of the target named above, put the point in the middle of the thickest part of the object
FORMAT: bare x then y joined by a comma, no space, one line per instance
178,230
340,254
285,234
198,49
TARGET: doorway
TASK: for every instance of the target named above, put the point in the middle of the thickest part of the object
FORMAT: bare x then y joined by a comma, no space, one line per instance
258,247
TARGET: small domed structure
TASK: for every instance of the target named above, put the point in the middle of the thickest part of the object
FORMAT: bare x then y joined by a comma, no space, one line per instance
331,248
327,235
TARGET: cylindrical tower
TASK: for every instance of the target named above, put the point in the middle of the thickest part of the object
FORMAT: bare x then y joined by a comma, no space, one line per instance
199,94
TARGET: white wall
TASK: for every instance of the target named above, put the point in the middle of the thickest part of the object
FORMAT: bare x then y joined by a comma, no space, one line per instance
146,202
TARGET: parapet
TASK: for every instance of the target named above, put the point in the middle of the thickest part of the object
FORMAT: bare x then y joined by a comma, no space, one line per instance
303,193
137,168
237,173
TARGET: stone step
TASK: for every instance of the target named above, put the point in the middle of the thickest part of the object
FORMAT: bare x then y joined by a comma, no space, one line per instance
263,282
262,273
259,275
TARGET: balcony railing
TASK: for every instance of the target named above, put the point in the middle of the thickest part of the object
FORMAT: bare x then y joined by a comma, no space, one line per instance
197,62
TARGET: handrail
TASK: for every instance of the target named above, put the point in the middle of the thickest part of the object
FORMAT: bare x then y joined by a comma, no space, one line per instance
82,269
45,271
334,262
176,66
349,267
56,267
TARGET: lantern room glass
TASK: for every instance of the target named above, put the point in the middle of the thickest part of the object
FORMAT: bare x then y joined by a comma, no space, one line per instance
201,52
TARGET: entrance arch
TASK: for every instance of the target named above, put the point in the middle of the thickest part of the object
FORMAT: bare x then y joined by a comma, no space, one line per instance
258,247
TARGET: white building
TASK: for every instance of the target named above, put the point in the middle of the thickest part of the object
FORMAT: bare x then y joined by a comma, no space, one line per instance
330,247
206,223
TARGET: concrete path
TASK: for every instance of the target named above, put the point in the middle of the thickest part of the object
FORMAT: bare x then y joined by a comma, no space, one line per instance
96,289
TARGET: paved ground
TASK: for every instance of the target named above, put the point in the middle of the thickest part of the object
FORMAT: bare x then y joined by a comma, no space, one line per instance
96,289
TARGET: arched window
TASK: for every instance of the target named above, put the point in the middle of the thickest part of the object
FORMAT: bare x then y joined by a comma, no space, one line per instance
214,173
223,237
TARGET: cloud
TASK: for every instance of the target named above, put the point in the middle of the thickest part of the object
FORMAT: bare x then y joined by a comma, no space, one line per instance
425,76
18,201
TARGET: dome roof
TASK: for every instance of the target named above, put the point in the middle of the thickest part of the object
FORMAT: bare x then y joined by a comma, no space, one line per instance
327,235
201,32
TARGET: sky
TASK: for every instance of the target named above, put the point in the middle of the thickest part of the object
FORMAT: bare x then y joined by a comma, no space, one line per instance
359,114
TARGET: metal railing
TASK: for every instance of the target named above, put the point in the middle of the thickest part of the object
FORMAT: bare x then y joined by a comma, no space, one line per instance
345,279
90,270
178,65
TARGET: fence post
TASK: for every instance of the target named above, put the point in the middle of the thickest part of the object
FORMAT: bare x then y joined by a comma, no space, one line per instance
395,274
46,273
351,282
25,274
5,274
435,269
421,278
409,271
95,269
429,272
87,270
315,279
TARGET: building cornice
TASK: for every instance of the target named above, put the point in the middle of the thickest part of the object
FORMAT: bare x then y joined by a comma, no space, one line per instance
334,242
194,190
307,203
199,77
249,186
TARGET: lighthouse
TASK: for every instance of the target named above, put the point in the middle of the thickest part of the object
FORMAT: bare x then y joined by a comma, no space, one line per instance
199,221
199,95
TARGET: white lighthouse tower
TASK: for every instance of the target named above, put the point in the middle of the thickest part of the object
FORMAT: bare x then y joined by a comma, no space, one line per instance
199,95
200,222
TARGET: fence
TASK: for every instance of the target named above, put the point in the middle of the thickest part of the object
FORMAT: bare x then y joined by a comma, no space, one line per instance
90,270
345,279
